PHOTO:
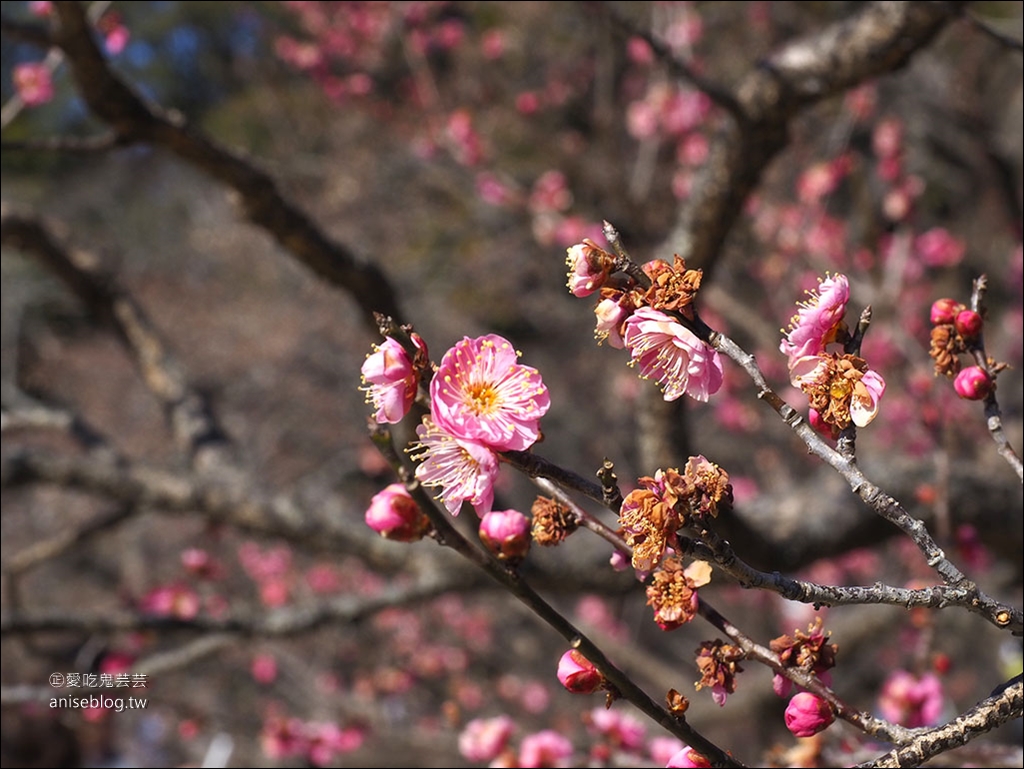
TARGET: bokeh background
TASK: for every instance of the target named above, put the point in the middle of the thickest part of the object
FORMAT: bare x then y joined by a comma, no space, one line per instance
461,147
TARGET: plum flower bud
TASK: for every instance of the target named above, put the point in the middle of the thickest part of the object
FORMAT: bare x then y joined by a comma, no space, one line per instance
687,757
589,266
945,310
395,515
807,714
578,674
973,384
506,533
968,324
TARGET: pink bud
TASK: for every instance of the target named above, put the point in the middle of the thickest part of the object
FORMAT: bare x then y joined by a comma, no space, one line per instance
968,324
688,757
807,714
973,384
578,674
945,311
506,533
394,515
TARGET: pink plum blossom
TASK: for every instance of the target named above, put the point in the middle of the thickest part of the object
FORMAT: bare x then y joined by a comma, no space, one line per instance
392,380
807,714
911,701
33,82
817,320
589,266
481,393
395,515
611,314
483,739
464,469
672,355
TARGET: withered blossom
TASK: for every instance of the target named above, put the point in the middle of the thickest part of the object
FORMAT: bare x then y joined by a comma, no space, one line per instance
841,388
552,521
718,663
711,488
945,348
673,591
673,287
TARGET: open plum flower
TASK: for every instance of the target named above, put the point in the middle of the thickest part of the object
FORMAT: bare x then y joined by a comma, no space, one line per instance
672,355
464,469
818,321
841,389
481,393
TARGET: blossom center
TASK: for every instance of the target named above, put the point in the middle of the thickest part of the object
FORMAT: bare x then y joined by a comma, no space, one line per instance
482,398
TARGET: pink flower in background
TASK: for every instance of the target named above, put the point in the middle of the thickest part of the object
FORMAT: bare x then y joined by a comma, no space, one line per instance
672,355
464,469
178,601
938,248
618,728
481,393
911,701
663,749
546,748
392,380
807,714
33,82
817,320
264,668
395,515
483,739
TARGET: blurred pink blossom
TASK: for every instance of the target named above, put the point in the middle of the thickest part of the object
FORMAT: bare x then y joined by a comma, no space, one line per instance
546,748
483,739
33,82
910,700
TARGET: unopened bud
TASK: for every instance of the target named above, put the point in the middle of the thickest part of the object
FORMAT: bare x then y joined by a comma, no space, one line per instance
807,714
968,324
973,384
945,311
506,533
395,515
578,674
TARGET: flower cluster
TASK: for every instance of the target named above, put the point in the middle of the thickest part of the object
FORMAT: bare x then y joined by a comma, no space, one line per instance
808,651
482,402
646,320
840,387
718,663
956,330
651,515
